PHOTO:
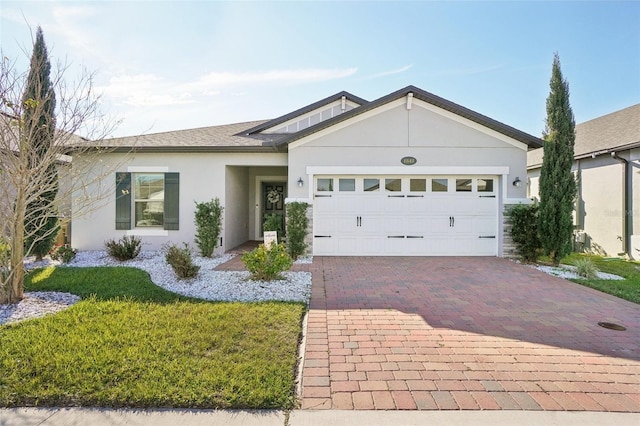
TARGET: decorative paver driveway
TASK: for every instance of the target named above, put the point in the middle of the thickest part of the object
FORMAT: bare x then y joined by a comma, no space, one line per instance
464,333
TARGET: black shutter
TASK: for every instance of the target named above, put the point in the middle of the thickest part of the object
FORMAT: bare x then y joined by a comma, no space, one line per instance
172,201
123,200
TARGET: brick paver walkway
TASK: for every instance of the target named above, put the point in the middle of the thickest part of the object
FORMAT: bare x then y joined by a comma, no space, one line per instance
464,333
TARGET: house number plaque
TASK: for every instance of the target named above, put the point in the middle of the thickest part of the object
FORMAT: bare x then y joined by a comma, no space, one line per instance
408,161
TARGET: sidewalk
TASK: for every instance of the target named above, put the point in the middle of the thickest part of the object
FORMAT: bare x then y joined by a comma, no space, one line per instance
105,417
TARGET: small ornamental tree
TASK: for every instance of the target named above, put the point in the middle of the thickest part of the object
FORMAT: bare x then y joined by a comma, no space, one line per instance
208,221
297,224
37,179
39,101
557,184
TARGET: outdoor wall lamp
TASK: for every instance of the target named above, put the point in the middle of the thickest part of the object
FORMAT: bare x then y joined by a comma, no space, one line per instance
517,182
300,182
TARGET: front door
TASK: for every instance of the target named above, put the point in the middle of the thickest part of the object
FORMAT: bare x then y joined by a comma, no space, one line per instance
273,196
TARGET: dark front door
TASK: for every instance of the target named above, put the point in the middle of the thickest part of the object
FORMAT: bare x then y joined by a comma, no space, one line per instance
273,195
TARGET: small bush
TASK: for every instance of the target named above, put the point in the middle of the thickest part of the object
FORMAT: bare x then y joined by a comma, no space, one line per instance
267,265
64,253
127,248
181,261
272,222
208,219
524,231
586,268
297,224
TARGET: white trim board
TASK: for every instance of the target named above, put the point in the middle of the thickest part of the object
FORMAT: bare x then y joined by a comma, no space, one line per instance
406,170
147,169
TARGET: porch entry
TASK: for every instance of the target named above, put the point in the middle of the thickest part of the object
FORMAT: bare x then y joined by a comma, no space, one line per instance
273,196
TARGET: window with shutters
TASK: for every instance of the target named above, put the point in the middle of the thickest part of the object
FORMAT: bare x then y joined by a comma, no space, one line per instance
147,201
148,192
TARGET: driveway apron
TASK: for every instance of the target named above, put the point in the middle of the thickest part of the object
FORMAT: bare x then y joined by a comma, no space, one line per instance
464,333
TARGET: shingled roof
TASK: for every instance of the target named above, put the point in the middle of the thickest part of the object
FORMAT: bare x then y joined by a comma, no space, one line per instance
617,131
214,138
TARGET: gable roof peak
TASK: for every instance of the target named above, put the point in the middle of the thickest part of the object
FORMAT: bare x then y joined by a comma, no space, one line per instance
301,111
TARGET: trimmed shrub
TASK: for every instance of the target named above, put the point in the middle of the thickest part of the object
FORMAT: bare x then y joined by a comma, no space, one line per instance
524,231
181,261
267,264
208,219
297,224
586,268
64,253
126,248
272,222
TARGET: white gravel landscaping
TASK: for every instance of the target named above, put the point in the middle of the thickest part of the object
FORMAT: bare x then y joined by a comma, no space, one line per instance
229,286
569,272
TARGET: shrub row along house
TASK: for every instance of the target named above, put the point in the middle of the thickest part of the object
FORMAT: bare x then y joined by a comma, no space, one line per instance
407,174
607,158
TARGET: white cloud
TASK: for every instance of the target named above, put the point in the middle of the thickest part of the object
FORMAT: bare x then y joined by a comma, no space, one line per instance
471,71
390,72
151,90
144,90
224,79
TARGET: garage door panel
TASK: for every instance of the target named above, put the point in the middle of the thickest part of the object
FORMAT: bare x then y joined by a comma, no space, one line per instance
438,225
324,226
394,225
415,224
485,225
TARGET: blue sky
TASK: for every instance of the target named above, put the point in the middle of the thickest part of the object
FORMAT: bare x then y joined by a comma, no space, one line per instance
169,65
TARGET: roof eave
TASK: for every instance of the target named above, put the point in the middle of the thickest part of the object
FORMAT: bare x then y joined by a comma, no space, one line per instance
271,123
186,149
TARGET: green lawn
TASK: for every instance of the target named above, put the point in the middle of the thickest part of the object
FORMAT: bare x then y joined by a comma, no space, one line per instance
129,343
628,289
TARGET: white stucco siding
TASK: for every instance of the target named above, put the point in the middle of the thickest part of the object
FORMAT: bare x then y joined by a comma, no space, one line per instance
601,196
383,138
236,229
203,176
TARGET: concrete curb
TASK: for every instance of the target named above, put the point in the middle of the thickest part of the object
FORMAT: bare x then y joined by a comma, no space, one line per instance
110,417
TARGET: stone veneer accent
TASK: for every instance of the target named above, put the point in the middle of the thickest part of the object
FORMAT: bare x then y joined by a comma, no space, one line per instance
309,238
508,247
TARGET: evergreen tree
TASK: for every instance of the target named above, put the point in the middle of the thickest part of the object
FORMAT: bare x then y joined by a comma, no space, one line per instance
557,183
39,126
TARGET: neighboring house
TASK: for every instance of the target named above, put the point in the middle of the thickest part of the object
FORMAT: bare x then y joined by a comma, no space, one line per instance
607,156
407,174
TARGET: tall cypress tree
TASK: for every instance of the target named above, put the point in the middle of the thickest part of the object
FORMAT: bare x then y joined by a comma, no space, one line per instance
557,183
39,126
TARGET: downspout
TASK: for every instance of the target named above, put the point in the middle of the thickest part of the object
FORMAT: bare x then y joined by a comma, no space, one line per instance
626,234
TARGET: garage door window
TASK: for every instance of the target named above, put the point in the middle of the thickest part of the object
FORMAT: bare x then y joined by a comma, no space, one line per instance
463,185
346,185
485,185
371,185
393,185
439,185
324,185
418,185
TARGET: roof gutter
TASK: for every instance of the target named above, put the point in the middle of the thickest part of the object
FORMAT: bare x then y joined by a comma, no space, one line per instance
626,231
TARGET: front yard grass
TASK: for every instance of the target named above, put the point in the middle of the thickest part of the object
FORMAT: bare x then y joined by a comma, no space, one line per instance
628,289
129,343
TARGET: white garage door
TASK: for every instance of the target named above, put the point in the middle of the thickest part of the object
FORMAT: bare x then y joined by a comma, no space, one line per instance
405,216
